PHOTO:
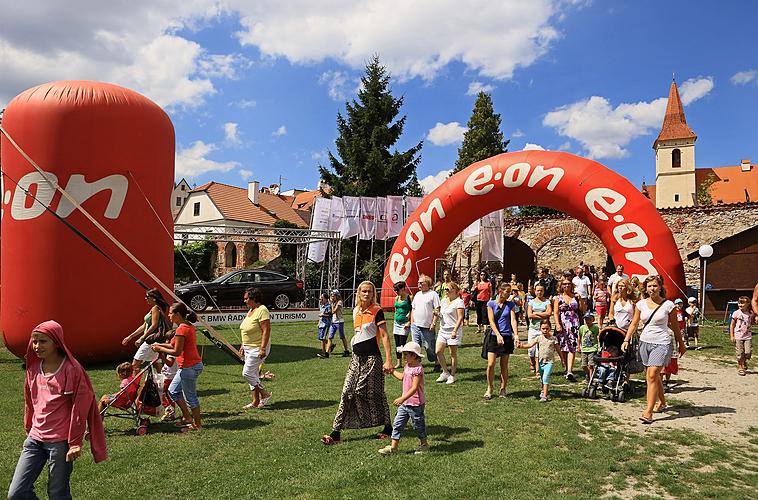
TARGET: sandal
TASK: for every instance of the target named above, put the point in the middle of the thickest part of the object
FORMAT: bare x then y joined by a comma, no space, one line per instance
661,409
381,435
183,423
329,440
742,372
190,427
250,406
646,420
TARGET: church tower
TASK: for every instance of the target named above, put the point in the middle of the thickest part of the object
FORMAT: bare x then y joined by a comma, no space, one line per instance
675,157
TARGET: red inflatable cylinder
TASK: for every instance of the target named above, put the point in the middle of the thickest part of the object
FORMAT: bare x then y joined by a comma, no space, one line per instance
94,139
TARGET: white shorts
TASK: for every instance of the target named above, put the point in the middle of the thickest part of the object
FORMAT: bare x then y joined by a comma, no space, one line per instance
145,353
252,368
532,334
399,329
446,338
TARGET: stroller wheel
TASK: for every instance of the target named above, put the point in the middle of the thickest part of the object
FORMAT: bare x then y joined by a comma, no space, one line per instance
141,430
613,397
144,422
622,396
593,392
585,392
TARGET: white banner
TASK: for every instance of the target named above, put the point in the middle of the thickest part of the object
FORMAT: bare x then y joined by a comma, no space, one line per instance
472,230
411,204
394,216
351,217
321,219
492,237
368,218
337,213
381,218
236,317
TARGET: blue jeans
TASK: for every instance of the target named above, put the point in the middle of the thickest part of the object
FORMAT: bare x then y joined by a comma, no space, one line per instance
413,413
184,385
30,463
425,338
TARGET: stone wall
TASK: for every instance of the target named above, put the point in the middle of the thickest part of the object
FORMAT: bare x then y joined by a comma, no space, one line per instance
561,242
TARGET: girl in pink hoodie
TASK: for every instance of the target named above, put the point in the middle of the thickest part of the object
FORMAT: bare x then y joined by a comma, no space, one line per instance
59,406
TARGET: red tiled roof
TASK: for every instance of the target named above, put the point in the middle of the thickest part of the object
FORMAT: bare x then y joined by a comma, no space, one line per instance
306,199
732,184
674,123
233,203
649,191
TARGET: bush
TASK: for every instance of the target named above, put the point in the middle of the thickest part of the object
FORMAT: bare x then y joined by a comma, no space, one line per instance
200,255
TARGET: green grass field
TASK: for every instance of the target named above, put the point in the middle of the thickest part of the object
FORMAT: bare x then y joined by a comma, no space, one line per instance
515,447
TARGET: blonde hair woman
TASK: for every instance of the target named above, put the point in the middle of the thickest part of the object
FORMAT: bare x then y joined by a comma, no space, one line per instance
621,310
451,332
658,315
363,402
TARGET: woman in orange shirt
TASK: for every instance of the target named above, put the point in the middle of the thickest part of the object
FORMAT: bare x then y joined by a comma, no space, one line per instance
183,389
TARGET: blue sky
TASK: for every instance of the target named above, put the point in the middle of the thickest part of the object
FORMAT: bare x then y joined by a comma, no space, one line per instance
253,88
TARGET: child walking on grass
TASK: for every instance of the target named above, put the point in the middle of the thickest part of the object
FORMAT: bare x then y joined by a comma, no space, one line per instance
410,405
324,323
740,334
125,375
59,408
546,343
589,334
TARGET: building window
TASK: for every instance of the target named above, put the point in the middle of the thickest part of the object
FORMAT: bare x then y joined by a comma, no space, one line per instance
196,209
178,201
676,158
676,197
182,187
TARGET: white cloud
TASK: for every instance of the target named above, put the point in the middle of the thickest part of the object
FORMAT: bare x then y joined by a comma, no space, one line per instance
231,133
130,44
518,133
444,134
430,182
338,83
318,155
245,174
532,147
192,161
744,77
280,131
604,131
245,103
475,87
416,39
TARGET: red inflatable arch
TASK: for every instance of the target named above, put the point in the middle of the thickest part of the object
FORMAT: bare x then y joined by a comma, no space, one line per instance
625,221
94,140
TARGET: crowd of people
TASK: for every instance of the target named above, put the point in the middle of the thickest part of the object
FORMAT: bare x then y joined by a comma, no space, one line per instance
559,315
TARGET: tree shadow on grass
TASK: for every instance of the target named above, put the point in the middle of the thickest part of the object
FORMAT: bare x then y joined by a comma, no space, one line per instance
301,404
696,411
554,394
212,392
451,447
236,424
220,414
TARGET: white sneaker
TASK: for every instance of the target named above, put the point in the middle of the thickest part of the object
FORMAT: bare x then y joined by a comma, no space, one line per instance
421,449
388,450
450,380
443,377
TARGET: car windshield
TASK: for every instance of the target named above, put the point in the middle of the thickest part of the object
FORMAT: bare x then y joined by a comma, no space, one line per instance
223,277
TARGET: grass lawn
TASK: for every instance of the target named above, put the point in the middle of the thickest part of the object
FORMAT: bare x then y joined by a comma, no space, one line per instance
505,448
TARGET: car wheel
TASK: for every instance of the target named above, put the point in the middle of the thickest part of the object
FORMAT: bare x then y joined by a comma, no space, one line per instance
282,301
198,302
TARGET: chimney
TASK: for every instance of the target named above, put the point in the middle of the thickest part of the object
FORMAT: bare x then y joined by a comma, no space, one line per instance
253,188
746,166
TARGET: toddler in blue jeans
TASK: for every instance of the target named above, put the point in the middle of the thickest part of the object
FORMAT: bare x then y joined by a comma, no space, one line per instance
410,405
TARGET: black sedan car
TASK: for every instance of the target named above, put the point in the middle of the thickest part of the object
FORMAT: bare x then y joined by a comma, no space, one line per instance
279,291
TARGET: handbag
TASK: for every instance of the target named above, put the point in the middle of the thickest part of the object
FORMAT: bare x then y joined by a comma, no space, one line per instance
150,395
486,340
162,334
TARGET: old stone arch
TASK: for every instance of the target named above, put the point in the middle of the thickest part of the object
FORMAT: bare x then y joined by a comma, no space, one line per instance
561,247
250,253
230,255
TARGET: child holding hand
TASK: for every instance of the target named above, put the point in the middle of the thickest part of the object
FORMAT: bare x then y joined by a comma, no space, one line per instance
546,343
410,405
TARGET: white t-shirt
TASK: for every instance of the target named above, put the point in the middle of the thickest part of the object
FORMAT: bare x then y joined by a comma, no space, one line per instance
582,285
657,331
423,306
694,314
449,315
622,314
614,280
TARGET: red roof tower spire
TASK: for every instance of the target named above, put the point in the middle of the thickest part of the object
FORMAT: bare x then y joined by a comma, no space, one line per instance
674,123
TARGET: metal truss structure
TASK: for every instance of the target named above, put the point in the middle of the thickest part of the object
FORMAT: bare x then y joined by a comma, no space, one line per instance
282,236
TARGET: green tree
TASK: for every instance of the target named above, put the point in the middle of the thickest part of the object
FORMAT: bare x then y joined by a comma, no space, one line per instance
200,255
531,210
483,138
414,187
364,164
703,195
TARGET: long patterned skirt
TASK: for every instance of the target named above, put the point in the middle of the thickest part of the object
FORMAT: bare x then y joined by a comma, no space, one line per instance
363,402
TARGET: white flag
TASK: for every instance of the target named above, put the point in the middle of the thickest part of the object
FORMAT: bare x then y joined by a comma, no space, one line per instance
472,230
368,218
492,237
338,212
394,216
381,218
411,204
351,217
321,218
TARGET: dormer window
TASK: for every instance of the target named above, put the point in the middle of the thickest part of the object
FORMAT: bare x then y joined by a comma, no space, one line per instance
676,158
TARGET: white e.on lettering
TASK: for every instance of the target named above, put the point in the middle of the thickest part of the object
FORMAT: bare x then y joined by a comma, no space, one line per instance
606,199
478,178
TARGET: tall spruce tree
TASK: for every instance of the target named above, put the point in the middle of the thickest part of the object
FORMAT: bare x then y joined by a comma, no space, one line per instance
413,187
483,137
364,165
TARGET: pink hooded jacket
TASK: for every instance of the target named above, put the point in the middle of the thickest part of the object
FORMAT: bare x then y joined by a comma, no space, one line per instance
84,412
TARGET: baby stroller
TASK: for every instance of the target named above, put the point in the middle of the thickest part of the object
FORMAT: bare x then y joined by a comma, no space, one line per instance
620,386
137,401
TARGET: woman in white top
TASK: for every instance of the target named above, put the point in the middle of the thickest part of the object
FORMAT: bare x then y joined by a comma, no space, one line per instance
657,315
621,310
451,332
